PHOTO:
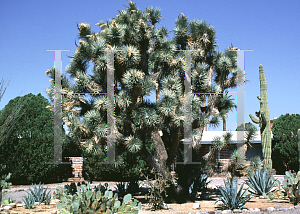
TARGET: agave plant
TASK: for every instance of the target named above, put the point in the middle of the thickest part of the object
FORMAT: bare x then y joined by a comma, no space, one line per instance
231,198
29,201
122,188
261,182
39,195
199,184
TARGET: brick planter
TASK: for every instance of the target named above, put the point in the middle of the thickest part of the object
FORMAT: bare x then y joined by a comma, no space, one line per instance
77,163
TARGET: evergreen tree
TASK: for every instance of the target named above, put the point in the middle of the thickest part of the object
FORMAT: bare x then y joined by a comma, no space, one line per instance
31,142
148,61
6,128
284,131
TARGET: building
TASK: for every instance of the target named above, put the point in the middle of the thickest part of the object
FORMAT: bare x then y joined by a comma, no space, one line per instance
224,154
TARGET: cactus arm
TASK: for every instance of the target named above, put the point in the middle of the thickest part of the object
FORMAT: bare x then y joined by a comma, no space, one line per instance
263,117
254,119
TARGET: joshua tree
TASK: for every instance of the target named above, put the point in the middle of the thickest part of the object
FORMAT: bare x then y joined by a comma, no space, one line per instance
148,60
250,130
264,120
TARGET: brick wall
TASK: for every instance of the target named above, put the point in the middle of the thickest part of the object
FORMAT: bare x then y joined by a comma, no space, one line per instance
77,163
225,162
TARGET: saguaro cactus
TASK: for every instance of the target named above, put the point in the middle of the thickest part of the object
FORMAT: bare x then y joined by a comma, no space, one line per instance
264,120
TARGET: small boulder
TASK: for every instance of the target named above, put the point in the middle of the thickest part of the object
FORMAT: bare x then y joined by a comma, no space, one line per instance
7,207
196,206
164,206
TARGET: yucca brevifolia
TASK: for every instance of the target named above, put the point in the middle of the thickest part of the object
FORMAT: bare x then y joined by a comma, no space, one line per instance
148,61
264,120
250,130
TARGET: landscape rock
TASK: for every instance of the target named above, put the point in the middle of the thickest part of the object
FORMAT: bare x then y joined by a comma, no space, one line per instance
297,207
277,207
271,209
196,206
13,205
164,206
283,209
256,210
20,205
237,211
7,207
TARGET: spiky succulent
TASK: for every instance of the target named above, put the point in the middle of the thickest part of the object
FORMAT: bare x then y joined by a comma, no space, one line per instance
261,182
230,197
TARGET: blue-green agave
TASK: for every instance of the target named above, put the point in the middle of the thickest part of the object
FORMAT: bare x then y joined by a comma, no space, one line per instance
230,197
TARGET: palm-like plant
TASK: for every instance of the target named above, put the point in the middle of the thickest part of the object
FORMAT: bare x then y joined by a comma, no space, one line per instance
225,103
231,198
261,182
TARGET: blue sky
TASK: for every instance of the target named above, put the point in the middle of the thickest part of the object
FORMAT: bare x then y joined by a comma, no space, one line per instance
270,28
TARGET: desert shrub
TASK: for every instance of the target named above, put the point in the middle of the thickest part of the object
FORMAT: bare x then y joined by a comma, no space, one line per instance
157,193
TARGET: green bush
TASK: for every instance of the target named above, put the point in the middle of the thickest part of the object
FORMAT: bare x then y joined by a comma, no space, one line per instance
284,131
31,144
119,172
